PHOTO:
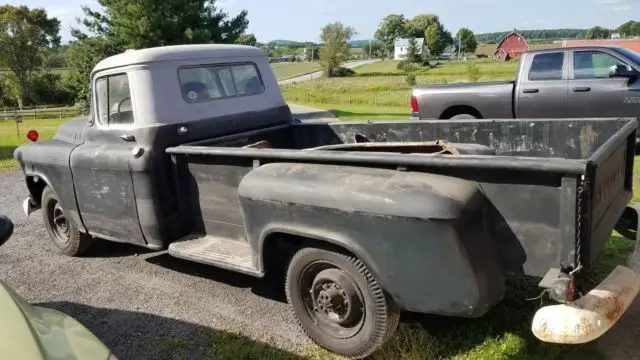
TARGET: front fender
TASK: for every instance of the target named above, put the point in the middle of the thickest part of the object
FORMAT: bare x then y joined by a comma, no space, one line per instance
49,161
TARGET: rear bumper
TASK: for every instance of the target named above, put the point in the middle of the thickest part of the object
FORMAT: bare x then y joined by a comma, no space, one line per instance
592,315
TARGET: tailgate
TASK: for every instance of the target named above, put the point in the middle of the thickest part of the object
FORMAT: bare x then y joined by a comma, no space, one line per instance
610,171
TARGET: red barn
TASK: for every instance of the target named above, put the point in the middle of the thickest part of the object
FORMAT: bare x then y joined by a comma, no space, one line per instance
512,46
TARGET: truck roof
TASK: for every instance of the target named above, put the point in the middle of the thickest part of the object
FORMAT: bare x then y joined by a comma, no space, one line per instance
177,53
584,47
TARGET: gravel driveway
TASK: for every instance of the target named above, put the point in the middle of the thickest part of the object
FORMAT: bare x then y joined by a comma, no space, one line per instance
147,305
142,305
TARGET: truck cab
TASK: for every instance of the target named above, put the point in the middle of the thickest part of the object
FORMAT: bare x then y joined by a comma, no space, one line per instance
112,165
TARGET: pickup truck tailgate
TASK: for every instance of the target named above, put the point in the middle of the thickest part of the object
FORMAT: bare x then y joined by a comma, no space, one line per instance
606,191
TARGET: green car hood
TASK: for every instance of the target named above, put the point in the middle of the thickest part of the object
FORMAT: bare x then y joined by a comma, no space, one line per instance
33,333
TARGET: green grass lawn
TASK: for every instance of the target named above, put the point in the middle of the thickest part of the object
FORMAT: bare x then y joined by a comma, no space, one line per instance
288,70
503,334
10,139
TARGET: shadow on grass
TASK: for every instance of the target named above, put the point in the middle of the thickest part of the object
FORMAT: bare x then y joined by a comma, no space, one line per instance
342,114
140,336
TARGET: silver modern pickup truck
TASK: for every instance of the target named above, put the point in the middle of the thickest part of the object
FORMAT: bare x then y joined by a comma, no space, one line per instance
594,81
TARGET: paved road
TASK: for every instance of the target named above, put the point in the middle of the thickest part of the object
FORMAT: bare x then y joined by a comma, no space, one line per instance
317,74
143,306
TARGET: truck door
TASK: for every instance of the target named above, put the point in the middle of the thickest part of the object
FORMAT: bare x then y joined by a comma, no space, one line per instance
542,87
102,179
592,93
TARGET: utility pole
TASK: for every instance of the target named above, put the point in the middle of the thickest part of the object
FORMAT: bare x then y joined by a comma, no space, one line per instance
459,45
369,49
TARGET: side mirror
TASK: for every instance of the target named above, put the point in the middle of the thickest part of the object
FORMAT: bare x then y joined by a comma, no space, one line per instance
622,71
6,229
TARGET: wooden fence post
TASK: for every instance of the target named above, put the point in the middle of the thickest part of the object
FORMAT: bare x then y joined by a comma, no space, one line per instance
35,113
60,113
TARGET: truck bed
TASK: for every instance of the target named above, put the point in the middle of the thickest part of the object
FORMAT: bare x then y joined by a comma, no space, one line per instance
493,99
553,184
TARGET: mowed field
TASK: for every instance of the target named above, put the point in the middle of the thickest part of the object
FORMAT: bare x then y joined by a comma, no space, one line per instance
288,70
489,49
381,84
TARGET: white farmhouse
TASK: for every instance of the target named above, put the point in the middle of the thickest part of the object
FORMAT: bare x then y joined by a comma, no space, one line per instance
402,45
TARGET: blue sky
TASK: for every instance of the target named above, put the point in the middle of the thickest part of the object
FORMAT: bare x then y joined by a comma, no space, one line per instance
302,19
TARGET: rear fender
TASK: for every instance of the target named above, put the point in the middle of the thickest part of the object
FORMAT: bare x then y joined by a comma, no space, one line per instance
323,235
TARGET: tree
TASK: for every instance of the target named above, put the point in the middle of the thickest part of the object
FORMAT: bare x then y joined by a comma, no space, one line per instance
376,49
598,32
147,23
24,33
82,56
247,39
635,29
626,29
335,37
391,28
467,41
436,39
417,26
413,55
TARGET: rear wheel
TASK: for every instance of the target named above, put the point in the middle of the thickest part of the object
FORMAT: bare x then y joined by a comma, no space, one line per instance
65,236
462,117
338,303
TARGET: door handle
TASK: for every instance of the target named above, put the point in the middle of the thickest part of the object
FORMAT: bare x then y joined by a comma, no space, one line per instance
582,89
128,137
530,91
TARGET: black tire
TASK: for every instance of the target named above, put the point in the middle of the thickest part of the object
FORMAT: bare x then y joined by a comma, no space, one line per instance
64,235
463,117
338,303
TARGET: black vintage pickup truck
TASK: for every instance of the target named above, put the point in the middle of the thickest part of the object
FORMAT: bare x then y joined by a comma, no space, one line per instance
192,148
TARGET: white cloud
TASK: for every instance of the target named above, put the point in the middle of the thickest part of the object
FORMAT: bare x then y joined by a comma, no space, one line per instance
622,8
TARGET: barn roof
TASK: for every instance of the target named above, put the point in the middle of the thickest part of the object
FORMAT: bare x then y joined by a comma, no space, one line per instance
512,34
405,42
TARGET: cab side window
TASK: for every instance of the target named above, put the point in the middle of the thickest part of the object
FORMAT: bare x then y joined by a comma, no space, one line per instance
114,100
593,64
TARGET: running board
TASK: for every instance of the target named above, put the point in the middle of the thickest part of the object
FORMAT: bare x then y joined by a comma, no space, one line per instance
227,254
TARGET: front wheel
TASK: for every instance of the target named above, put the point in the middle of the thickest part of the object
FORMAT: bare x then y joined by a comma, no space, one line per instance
65,236
338,303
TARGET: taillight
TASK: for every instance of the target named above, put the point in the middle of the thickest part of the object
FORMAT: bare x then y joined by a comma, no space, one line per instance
414,104
32,135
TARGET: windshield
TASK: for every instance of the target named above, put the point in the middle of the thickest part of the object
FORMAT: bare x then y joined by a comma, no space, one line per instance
633,55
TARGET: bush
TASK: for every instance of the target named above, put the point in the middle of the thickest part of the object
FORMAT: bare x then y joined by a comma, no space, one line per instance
48,88
407,66
411,79
473,71
341,72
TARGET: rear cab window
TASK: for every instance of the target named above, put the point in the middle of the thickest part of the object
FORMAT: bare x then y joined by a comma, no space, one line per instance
210,82
547,66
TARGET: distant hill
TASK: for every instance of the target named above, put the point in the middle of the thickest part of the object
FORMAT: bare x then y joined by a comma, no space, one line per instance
548,34
288,43
360,43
